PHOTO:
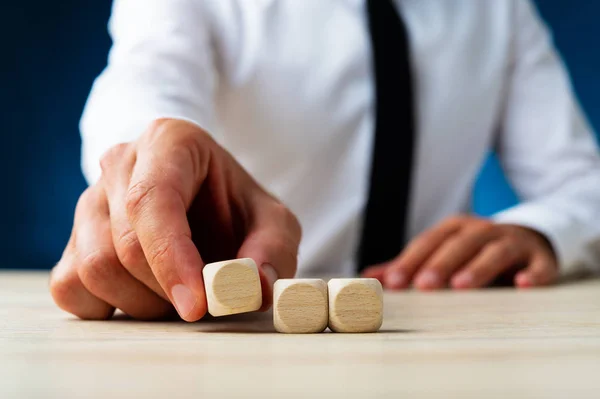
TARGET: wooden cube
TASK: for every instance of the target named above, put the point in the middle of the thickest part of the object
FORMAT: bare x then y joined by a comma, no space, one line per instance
300,306
232,286
355,305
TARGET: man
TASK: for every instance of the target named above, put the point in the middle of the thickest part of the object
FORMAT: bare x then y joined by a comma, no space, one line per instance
318,137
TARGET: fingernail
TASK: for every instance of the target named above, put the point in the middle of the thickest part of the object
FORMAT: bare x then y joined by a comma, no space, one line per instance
395,279
427,279
185,301
270,273
464,280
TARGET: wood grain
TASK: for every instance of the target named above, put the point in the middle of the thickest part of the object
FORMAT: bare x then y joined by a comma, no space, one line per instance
232,287
355,305
491,343
300,306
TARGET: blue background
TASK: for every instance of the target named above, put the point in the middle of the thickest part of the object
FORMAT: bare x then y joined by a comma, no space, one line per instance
51,53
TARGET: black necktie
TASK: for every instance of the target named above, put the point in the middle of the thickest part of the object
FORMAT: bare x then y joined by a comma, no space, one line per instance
384,226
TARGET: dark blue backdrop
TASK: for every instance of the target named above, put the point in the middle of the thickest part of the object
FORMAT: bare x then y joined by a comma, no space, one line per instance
53,50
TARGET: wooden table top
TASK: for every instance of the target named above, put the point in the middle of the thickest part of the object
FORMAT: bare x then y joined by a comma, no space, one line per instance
489,343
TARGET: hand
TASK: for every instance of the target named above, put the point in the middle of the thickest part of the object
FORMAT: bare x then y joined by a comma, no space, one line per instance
164,206
469,252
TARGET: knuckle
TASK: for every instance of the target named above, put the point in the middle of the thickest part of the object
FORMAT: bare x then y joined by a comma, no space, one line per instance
98,267
177,131
159,131
161,250
138,195
113,155
283,247
542,276
455,220
401,263
479,232
453,244
288,219
288,251
498,249
129,249
160,254
188,141
543,264
425,237
483,227
505,249
86,201
288,246
69,293
157,127
186,155
63,284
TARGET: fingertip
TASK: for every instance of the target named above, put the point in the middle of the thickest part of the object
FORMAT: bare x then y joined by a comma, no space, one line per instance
200,310
462,281
268,276
524,280
427,280
395,280
368,273
376,272
188,305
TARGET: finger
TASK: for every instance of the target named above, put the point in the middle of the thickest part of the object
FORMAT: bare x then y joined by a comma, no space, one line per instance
454,253
377,271
100,270
494,259
170,168
69,293
272,242
403,268
117,165
541,271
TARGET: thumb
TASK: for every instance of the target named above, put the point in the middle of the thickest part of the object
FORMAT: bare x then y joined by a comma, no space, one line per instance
272,241
540,272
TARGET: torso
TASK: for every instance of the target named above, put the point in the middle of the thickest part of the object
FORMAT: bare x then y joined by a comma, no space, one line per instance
297,75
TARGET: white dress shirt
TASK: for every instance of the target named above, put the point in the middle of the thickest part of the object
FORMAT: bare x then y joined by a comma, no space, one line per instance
287,87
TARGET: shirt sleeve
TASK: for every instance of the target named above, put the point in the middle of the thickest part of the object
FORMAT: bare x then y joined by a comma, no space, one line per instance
548,149
160,65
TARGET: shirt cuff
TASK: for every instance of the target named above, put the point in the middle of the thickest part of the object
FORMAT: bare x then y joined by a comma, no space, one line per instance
561,231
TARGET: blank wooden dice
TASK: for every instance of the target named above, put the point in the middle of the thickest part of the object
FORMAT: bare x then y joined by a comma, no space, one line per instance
355,305
300,305
232,286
